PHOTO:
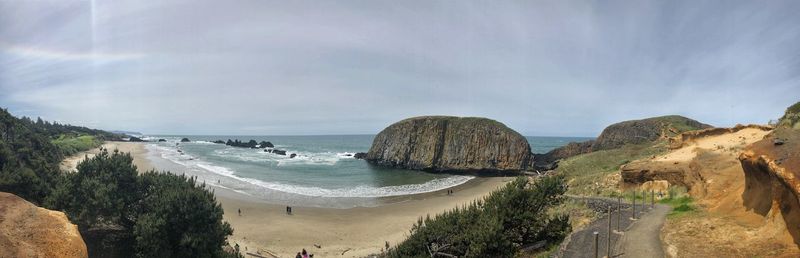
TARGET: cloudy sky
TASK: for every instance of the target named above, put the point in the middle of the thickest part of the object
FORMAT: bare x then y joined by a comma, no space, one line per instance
559,68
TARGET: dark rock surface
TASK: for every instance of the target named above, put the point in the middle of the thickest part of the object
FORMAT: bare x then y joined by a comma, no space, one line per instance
185,140
360,155
445,143
644,130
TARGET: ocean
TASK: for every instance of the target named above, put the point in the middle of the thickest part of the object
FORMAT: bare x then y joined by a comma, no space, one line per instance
323,174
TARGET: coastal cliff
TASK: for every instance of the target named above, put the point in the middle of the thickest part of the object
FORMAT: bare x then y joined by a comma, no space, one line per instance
644,130
621,134
445,143
772,167
30,231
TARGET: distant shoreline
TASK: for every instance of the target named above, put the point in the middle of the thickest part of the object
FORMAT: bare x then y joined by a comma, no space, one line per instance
362,230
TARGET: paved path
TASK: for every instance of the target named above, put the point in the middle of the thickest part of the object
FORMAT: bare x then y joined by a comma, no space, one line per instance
642,239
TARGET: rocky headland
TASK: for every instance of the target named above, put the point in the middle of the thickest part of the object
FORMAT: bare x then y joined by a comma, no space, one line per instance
451,144
621,134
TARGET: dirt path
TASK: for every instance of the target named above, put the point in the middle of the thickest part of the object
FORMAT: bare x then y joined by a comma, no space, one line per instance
642,238
629,244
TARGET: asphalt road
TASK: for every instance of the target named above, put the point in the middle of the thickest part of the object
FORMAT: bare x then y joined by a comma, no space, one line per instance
640,238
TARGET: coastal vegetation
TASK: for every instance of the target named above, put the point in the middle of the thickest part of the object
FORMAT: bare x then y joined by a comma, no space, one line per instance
508,220
791,119
70,145
155,214
588,174
147,215
28,160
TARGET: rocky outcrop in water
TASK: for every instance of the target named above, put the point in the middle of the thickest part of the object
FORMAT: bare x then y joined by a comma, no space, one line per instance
30,231
185,140
444,143
360,155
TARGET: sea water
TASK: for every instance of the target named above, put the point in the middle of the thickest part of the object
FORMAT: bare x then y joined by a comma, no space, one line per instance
323,174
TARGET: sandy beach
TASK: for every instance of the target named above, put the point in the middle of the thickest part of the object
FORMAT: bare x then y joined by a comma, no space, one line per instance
267,230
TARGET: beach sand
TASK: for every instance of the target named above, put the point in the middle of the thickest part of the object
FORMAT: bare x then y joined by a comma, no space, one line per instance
137,150
267,230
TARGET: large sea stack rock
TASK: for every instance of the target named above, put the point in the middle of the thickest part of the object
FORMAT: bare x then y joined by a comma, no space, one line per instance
30,231
445,143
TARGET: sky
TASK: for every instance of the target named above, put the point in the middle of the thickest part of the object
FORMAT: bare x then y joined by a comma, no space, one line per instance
258,67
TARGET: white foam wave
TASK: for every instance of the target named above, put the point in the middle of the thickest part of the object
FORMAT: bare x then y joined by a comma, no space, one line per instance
349,192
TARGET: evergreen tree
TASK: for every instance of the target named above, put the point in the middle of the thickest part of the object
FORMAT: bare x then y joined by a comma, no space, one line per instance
500,225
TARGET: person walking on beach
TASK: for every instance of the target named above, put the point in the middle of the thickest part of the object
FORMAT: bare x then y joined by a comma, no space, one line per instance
240,212
298,255
305,254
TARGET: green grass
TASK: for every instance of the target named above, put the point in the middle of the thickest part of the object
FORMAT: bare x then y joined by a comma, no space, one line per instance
682,204
677,122
546,253
585,173
70,145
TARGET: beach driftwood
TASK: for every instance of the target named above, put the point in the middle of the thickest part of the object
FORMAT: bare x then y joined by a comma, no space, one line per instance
345,250
256,255
261,256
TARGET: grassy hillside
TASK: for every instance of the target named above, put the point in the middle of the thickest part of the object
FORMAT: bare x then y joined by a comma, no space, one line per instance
70,145
791,118
586,174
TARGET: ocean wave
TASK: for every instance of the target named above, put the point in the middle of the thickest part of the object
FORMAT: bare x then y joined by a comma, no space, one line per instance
360,191
363,190
302,158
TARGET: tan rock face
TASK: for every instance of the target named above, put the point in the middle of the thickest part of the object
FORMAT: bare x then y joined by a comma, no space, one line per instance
442,143
30,231
771,173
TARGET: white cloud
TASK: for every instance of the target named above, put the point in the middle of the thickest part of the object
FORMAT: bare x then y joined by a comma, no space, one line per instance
310,67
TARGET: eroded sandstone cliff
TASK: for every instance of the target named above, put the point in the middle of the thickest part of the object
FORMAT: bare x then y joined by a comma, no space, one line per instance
30,231
445,143
772,187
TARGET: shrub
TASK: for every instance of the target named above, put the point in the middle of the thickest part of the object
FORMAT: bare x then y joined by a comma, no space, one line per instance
499,225
165,215
178,219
